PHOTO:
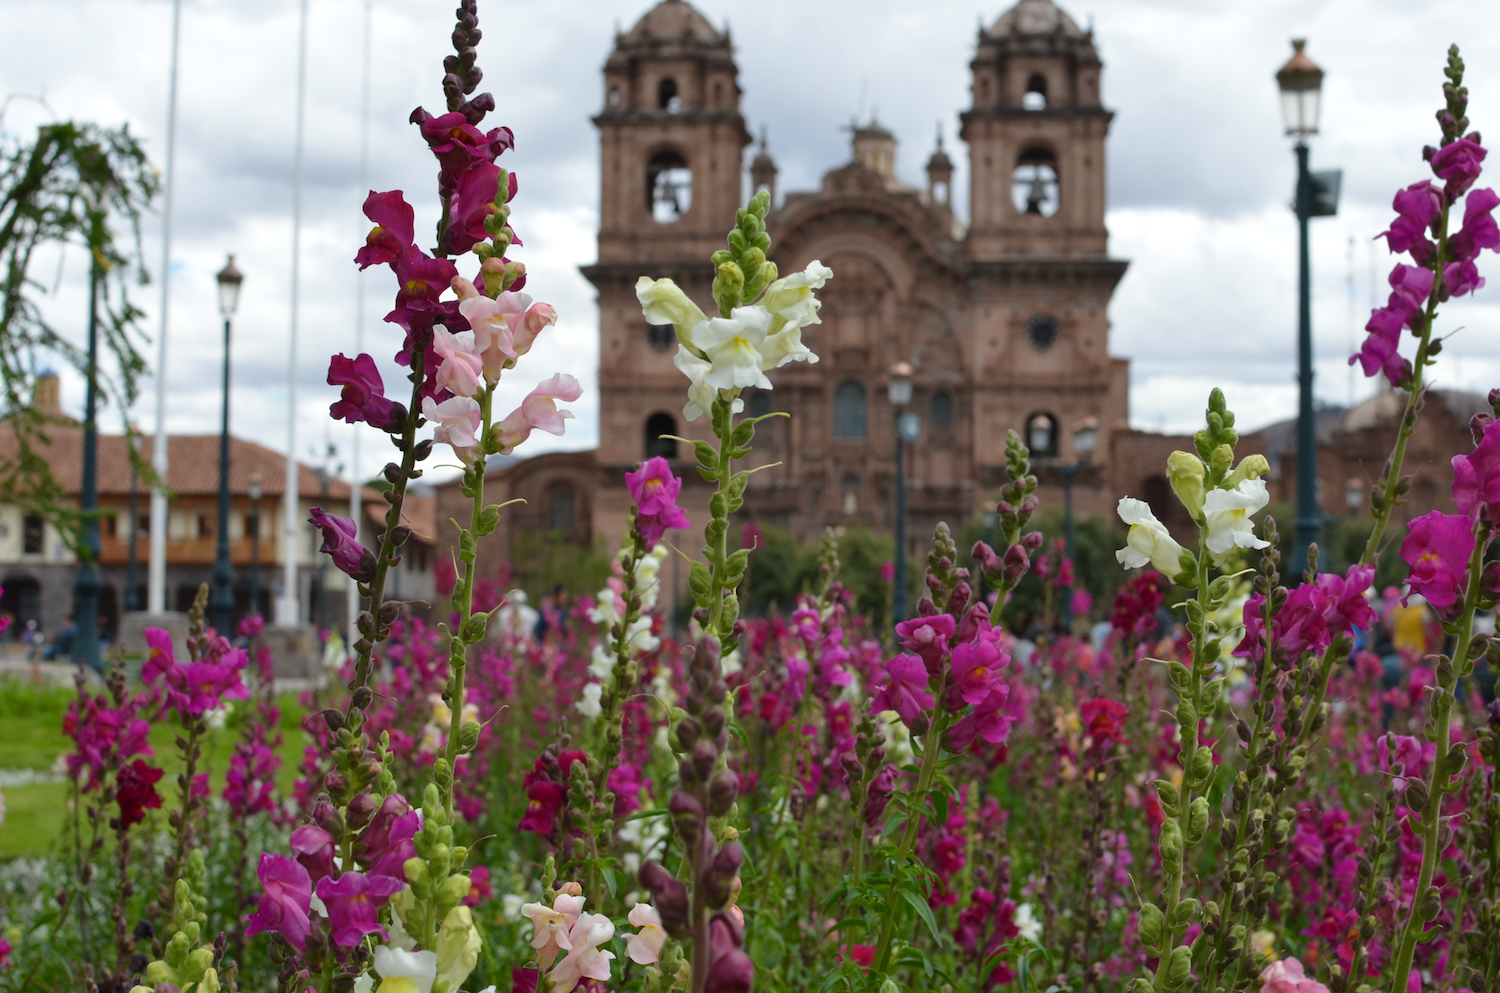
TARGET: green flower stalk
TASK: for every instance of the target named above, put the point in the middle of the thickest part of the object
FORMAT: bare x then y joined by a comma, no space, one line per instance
1228,493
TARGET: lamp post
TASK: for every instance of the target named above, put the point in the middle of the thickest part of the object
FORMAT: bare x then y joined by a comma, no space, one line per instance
255,492
1085,437
1301,84
223,601
898,389
89,581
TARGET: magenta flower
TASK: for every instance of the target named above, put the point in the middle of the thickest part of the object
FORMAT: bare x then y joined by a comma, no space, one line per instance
1462,277
1379,353
928,637
1410,288
284,902
905,690
1459,163
989,720
1476,476
1348,607
1437,547
394,229
976,669
1103,719
731,970
353,901
459,144
250,782
538,412
313,849
341,541
375,840
197,687
422,280
655,489
1479,230
544,801
1417,205
363,398
473,202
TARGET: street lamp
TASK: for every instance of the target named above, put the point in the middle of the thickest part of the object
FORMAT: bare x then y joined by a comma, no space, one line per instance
1301,83
223,601
1085,438
255,492
898,390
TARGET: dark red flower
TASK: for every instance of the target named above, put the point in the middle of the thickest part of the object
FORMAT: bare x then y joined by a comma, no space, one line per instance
363,397
394,230
1104,720
135,791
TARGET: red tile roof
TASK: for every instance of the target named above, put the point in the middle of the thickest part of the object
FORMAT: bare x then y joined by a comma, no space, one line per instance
192,467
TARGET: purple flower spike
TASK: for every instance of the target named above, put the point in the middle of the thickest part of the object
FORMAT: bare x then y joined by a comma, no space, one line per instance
363,398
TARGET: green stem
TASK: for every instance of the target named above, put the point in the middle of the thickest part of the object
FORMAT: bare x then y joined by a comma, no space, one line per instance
1437,774
1409,416
1188,731
184,826
458,654
718,547
931,747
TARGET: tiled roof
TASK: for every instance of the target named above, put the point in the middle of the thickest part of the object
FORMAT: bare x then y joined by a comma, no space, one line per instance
192,466
418,511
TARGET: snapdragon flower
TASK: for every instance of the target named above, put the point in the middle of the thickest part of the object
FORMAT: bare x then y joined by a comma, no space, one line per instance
1227,515
1148,541
405,971
550,926
644,947
458,420
589,703
461,369
585,959
732,347
538,412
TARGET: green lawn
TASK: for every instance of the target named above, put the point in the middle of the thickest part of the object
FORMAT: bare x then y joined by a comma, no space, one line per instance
31,737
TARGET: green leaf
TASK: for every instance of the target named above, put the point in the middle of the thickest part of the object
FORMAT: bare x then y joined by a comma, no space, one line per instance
923,910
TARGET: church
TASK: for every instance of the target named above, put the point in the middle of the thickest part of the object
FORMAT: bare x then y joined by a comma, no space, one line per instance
1002,316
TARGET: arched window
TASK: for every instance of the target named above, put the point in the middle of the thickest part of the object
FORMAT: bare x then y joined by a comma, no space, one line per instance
1035,97
661,336
1041,435
666,96
941,410
849,495
562,512
849,410
718,92
657,425
614,97
1034,183
669,187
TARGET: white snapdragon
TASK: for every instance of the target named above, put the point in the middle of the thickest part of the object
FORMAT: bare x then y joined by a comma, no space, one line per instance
403,971
1227,516
793,307
732,346
590,706
606,609
639,639
1026,923
648,575
601,663
1148,540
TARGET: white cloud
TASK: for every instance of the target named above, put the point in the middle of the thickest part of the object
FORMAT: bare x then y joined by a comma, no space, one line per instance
1200,174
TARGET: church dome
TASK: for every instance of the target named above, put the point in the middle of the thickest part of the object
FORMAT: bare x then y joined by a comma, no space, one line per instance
674,20
1036,17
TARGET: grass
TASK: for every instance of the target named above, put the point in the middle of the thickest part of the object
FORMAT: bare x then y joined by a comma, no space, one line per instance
31,737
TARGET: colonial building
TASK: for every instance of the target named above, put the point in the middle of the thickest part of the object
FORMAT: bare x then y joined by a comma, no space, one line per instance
38,570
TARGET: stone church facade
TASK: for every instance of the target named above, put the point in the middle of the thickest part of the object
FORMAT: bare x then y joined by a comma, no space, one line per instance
1003,318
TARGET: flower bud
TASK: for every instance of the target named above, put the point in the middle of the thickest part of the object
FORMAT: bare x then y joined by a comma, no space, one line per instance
1185,472
361,809
668,896
723,789
721,872
468,736
326,816
1033,541
1150,925
688,731
1416,795
1179,967
1016,561
1170,845
687,814
985,558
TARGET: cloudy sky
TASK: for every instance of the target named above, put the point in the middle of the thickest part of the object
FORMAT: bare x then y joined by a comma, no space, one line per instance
1200,175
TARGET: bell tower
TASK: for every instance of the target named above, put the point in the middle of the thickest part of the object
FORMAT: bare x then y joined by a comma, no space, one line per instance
671,139
671,148
1036,134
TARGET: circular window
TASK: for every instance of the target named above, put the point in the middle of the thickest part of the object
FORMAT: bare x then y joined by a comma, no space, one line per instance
1041,330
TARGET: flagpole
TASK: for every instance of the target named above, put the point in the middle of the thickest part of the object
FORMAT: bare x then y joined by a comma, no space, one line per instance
288,606
355,509
156,569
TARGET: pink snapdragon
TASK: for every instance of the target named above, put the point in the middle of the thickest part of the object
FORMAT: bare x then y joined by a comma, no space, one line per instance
1348,607
505,328
538,412
1437,547
928,638
461,370
1459,163
458,420
655,490
1287,976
